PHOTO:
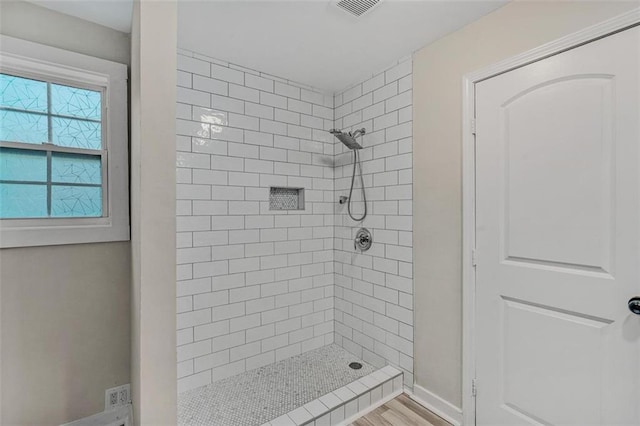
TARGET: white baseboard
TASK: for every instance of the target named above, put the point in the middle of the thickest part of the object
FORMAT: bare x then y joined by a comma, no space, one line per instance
370,408
437,405
121,416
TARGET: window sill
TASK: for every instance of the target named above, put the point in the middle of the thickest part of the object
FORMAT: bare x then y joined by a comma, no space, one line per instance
60,232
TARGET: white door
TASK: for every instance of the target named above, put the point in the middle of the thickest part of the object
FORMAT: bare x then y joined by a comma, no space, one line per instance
558,239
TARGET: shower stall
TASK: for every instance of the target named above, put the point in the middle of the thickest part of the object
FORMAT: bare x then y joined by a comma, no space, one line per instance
294,253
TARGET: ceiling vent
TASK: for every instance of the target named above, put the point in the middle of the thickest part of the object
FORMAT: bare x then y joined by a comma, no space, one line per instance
357,8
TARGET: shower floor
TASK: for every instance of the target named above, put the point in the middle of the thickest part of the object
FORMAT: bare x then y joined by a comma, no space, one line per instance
258,396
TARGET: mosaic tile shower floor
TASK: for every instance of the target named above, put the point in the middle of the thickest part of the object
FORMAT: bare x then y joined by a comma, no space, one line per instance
257,396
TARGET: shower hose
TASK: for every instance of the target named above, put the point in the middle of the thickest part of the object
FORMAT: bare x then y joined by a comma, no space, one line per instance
356,163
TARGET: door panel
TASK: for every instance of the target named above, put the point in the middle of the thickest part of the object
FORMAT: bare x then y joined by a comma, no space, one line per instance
558,239
543,338
564,129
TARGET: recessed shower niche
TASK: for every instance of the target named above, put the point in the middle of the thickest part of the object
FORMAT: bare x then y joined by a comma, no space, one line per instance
286,198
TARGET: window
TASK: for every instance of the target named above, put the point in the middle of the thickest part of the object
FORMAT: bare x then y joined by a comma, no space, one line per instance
63,147
51,156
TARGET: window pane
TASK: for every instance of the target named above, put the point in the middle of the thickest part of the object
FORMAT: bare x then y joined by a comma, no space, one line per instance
23,93
76,102
76,201
23,165
76,168
76,133
23,127
22,201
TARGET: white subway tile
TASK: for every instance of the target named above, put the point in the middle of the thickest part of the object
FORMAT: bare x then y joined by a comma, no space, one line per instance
298,131
287,90
400,131
226,133
287,116
194,381
398,71
208,146
384,121
210,85
244,121
273,100
207,362
323,112
273,127
227,163
299,106
405,114
192,65
244,351
227,104
228,252
192,128
243,150
258,82
244,93
231,310
313,97
399,101
258,110
195,286
405,83
210,269
228,341
228,370
191,319
219,192
385,92
373,83
227,74
243,179
352,93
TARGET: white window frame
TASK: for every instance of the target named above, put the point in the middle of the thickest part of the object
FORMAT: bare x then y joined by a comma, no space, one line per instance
26,58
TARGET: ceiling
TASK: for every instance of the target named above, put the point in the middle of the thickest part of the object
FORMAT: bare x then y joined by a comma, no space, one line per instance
308,41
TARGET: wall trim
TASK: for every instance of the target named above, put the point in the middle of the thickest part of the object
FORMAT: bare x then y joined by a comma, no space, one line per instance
122,416
436,404
571,41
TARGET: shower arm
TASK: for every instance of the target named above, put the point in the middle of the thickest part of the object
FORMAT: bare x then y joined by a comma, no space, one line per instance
358,132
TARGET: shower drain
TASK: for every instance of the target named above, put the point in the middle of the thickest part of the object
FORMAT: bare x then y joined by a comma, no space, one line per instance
355,365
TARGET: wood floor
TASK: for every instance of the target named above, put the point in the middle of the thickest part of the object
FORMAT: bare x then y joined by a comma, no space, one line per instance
401,411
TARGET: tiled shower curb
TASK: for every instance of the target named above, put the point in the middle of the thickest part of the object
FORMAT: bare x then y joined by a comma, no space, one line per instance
344,405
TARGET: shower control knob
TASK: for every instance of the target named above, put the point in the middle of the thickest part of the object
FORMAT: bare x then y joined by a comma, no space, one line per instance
634,305
363,240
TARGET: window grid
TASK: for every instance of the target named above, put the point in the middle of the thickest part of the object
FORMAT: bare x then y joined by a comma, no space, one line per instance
49,147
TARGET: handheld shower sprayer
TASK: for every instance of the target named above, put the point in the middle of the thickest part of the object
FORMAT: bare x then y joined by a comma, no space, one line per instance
349,140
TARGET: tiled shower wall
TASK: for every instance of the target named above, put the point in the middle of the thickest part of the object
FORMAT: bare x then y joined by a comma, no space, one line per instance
374,290
254,285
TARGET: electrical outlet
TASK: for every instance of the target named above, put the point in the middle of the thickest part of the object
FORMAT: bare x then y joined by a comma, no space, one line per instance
117,397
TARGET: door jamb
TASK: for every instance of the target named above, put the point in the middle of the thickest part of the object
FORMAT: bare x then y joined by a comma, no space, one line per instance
587,35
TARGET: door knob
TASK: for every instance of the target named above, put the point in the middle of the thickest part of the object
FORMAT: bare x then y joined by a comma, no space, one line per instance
634,305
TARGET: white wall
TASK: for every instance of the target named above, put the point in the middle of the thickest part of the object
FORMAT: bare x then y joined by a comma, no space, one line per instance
28,21
254,285
374,290
65,309
438,70
153,219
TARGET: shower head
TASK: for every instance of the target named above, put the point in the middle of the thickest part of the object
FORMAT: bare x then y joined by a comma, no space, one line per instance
348,138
